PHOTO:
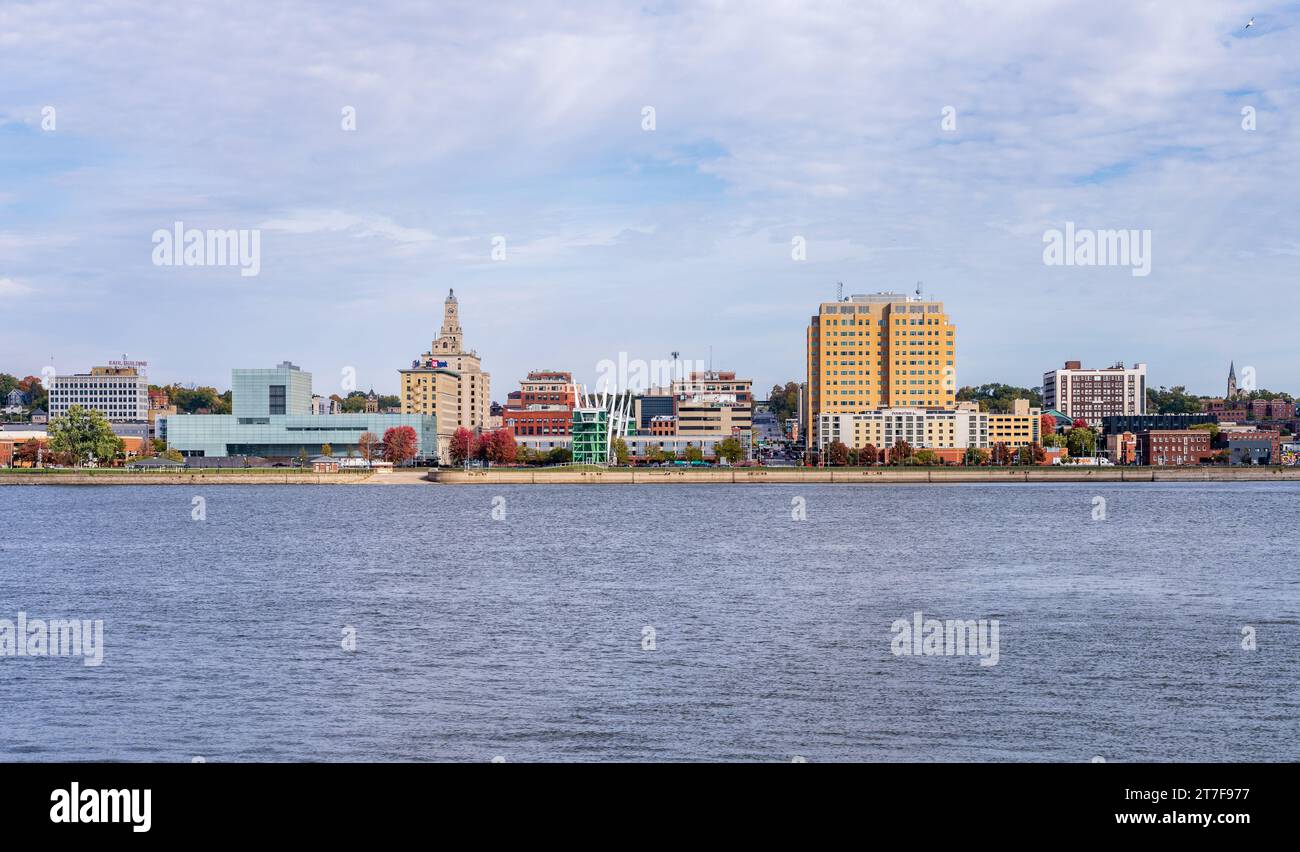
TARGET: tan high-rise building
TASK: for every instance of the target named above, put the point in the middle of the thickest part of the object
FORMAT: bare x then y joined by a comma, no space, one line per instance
448,381
882,350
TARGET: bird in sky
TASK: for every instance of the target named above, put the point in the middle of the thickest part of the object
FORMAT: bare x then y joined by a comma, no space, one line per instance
1249,24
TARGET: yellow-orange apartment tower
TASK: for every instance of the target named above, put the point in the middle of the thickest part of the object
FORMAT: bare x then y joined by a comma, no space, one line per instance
881,350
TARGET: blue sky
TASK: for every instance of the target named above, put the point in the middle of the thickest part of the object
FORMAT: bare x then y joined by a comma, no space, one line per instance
772,120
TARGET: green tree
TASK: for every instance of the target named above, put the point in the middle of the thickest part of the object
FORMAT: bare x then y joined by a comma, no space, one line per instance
1175,400
621,452
1081,441
559,455
729,449
1212,428
655,453
784,402
174,455
83,435
1054,439
694,453
999,397
926,457
976,456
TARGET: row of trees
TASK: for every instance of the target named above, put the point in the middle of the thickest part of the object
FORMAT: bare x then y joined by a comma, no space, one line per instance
903,454
499,447
997,397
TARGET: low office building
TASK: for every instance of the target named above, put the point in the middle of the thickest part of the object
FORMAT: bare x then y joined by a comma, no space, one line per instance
272,418
543,404
922,428
1122,448
639,446
1136,423
1016,428
1174,447
121,394
1252,447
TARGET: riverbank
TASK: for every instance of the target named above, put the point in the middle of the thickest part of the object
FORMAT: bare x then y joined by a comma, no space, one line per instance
193,477
655,476
936,475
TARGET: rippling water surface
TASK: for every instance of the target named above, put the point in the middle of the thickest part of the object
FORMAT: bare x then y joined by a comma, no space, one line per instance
522,637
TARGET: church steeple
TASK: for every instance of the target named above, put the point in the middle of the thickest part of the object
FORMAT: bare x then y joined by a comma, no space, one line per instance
1232,380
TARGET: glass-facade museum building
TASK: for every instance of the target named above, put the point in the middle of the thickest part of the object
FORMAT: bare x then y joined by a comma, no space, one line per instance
272,418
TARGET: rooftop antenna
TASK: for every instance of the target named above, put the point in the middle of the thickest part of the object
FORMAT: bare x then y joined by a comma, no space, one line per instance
839,291
918,289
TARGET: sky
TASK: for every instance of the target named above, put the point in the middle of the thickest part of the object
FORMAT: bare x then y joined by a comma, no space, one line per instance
897,142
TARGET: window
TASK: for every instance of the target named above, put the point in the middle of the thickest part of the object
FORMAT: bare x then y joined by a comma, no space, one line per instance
277,399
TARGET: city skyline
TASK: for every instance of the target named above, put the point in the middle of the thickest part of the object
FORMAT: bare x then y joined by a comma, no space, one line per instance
934,145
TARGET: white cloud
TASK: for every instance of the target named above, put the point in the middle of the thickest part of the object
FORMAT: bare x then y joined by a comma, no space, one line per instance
9,288
318,221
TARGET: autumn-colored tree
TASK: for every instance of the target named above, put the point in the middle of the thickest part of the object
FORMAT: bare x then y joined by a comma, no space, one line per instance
1079,423
901,452
500,446
400,444
1038,453
326,450
462,446
868,455
28,451
368,445
837,454
1047,424
1001,454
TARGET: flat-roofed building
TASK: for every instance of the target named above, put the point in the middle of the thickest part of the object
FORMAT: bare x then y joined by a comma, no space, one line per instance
272,418
922,428
119,393
1093,394
543,404
879,350
1163,447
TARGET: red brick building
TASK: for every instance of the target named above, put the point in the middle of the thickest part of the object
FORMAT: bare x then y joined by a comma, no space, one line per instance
543,405
1174,446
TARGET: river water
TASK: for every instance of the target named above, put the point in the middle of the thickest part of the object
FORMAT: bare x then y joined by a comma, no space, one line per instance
684,623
